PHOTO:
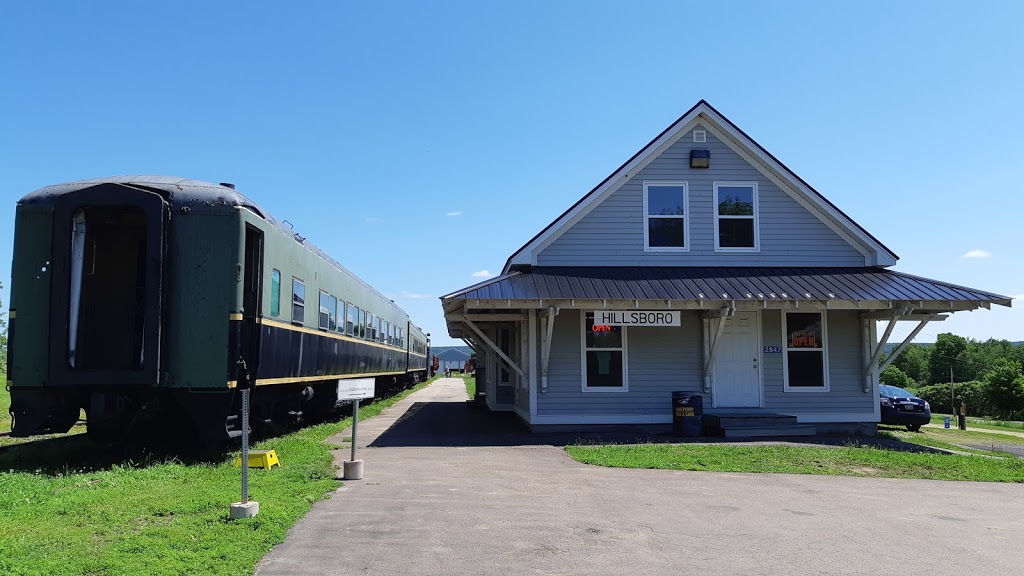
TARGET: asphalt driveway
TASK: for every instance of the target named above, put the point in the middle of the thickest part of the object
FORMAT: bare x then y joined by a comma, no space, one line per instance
450,490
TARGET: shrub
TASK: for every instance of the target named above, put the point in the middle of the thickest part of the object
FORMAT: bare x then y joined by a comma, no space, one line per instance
1004,387
972,393
893,376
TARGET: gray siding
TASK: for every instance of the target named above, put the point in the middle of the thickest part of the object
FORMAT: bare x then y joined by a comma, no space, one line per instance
612,234
660,360
845,366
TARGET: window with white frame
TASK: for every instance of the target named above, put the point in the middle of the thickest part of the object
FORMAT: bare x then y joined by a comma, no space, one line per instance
665,219
806,352
325,310
298,301
604,356
736,226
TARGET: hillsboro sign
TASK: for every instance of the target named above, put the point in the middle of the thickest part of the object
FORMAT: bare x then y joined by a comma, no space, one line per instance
637,318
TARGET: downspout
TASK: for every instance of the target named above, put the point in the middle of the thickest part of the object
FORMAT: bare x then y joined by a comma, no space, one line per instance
546,347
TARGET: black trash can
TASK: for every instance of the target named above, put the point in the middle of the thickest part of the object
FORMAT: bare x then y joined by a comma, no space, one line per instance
687,414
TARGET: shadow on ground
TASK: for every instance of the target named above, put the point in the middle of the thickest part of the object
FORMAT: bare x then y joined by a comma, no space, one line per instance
459,424
79,453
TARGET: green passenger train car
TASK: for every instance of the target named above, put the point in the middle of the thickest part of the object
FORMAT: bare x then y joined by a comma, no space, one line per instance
153,299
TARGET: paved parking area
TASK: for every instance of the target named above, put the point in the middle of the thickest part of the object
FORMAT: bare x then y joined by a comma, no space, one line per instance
449,490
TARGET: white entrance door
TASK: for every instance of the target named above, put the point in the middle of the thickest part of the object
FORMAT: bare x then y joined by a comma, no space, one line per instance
737,371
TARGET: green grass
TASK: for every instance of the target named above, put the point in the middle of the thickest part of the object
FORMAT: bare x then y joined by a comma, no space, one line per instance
955,439
984,423
955,434
470,386
852,460
62,513
934,441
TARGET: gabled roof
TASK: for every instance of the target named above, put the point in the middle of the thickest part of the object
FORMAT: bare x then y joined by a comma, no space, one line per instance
761,159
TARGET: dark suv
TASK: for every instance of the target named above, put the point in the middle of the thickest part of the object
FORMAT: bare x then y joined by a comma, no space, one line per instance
903,408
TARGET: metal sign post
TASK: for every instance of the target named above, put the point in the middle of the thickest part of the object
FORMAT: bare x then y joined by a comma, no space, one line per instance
354,390
355,427
245,446
245,508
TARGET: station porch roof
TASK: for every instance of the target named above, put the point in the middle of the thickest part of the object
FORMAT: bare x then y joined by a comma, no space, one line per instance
722,284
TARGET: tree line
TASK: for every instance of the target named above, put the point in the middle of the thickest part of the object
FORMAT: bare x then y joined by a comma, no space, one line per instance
986,375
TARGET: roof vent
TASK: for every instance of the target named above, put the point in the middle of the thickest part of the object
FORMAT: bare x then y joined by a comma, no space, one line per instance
700,136
228,185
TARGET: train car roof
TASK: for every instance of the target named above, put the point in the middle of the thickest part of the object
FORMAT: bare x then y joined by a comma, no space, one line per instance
188,192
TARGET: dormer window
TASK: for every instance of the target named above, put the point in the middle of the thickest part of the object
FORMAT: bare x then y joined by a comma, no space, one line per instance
736,226
665,217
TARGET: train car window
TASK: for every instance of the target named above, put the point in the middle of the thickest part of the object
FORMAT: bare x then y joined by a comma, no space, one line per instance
298,301
385,332
332,317
377,331
369,327
341,316
275,292
362,324
353,314
325,312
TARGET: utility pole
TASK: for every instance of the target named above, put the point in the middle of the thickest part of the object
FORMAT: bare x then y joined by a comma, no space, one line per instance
952,397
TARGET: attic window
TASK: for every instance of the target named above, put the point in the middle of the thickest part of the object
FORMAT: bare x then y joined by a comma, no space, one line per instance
665,221
736,217
700,136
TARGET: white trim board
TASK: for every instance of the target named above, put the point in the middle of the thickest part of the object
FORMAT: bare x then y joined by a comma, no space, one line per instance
875,254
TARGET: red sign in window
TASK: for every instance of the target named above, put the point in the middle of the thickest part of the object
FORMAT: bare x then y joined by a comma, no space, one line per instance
803,339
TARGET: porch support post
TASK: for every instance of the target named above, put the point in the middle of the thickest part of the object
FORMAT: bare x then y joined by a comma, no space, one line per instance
531,342
548,326
490,344
865,344
881,344
709,362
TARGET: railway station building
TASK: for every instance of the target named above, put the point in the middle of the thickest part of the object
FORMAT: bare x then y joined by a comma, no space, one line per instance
702,265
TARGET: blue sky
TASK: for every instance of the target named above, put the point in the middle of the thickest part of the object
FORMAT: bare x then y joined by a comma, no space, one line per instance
421,143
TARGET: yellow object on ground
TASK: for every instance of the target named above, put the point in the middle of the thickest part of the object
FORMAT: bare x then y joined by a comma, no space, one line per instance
265,459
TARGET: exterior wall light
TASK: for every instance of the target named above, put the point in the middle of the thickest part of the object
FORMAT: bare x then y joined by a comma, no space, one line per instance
700,158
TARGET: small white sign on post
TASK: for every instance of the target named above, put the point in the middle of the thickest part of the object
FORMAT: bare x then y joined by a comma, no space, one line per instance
356,389
638,317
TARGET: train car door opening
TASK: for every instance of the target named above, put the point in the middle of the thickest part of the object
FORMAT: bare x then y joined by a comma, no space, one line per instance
252,297
108,285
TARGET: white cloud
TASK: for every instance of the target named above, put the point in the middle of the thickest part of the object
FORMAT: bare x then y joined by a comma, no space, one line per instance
977,253
1018,297
372,220
452,214
406,295
485,273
